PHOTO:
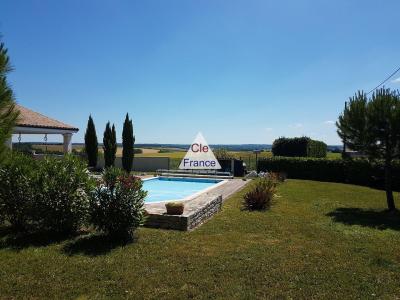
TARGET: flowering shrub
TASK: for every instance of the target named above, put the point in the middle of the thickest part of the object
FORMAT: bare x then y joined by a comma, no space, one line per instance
110,176
261,195
62,187
46,195
117,206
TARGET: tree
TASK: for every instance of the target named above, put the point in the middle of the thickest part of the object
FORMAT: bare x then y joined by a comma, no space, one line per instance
8,112
114,143
128,141
372,126
109,145
91,144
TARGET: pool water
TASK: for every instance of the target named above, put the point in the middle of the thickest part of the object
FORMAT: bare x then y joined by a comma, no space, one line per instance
167,189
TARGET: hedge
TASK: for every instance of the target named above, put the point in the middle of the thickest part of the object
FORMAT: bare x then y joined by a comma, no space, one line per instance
299,147
353,171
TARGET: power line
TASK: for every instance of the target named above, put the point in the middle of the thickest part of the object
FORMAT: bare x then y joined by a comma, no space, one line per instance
383,82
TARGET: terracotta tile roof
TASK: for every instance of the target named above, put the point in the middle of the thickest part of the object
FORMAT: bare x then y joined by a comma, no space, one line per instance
30,118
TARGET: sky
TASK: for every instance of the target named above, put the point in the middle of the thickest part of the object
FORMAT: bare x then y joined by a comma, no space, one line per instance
238,71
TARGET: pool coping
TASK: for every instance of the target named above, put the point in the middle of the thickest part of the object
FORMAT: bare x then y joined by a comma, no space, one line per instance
190,197
197,210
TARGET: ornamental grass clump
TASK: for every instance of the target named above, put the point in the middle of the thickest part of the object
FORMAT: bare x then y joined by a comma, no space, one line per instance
117,205
261,195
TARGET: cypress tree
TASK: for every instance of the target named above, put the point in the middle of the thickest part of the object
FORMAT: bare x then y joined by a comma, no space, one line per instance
114,144
109,145
91,144
8,112
128,141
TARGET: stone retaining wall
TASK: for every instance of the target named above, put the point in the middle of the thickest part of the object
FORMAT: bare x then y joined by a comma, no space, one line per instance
186,221
206,212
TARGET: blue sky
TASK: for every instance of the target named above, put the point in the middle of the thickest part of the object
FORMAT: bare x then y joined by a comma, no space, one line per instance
239,71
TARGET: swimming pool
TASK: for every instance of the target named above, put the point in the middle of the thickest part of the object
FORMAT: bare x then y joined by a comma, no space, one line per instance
170,189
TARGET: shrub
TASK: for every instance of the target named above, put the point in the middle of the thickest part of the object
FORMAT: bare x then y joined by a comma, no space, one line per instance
262,193
299,147
117,207
174,208
137,151
353,171
46,195
17,190
164,150
110,176
62,194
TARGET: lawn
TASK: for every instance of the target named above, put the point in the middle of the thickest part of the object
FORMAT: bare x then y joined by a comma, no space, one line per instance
320,240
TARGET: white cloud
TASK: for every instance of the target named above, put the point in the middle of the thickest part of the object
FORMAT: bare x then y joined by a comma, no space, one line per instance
268,129
397,80
329,122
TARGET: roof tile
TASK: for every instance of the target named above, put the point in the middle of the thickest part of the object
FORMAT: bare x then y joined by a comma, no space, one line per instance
30,118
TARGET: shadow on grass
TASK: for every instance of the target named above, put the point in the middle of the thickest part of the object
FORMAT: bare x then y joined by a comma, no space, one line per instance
367,218
95,244
18,240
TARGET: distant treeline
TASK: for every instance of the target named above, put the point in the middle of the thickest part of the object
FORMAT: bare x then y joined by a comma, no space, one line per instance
229,147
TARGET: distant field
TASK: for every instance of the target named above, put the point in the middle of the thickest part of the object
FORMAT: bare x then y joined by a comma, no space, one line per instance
146,152
247,156
172,154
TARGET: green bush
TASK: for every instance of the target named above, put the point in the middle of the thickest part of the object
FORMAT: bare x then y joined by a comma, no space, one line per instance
46,195
17,190
117,207
353,171
299,147
63,187
164,150
262,193
110,176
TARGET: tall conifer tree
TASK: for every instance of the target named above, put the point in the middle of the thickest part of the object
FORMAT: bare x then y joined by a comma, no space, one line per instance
109,145
91,143
128,141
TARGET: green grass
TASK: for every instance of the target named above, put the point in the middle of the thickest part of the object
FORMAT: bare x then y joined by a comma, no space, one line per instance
320,240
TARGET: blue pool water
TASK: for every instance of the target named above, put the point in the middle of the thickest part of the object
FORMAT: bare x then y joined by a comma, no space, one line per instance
165,189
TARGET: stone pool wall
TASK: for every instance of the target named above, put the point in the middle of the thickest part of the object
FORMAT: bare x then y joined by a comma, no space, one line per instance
187,221
197,210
